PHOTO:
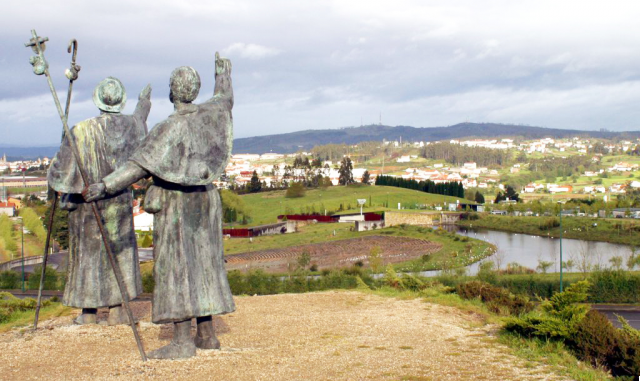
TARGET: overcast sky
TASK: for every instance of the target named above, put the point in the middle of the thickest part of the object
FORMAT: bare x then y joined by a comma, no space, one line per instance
310,65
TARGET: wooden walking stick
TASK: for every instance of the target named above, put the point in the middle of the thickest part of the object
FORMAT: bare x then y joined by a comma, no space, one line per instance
72,74
40,67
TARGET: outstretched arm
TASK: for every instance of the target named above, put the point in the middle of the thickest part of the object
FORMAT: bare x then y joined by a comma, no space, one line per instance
144,105
115,182
223,91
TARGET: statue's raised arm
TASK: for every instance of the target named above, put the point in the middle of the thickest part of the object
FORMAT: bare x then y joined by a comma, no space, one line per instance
223,91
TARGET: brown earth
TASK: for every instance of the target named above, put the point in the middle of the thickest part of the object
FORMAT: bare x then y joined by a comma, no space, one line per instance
332,254
333,335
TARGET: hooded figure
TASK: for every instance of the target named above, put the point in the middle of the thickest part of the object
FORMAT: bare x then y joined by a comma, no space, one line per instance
184,154
104,144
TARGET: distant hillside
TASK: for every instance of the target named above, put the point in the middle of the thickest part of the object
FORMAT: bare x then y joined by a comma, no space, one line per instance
305,140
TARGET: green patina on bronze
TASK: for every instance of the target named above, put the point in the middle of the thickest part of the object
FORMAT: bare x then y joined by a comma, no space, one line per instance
104,143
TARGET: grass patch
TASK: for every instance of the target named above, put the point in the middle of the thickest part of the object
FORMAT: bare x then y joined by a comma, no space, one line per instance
266,206
25,318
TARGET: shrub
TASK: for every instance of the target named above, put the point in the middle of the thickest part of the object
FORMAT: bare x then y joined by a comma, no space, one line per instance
559,315
498,300
411,283
614,286
50,279
391,278
596,340
295,190
148,282
9,280
10,304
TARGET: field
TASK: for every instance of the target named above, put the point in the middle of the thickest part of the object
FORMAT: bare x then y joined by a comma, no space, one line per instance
454,251
266,206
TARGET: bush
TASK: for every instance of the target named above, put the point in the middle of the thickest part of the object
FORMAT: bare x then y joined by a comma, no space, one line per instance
498,300
148,282
50,279
596,340
614,286
411,283
9,280
10,304
559,315
295,190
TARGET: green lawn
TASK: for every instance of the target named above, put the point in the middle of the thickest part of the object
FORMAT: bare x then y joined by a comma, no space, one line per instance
266,206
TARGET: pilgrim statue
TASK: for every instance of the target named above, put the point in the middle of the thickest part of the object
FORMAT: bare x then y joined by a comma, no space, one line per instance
105,143
184,154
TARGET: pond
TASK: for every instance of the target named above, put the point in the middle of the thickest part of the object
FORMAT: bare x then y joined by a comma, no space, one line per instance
530,250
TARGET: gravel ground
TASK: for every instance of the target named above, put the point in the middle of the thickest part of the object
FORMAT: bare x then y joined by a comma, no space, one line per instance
333,335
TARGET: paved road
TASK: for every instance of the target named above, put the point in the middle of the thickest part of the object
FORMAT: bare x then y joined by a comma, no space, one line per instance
59,260
631,313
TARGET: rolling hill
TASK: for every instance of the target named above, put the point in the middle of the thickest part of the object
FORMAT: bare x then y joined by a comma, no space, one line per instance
305,140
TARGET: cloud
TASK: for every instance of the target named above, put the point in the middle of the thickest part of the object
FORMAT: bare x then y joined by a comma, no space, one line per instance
250,51
570,64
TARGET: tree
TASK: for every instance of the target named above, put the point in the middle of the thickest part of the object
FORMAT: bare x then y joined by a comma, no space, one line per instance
543,266
60,228
375,259
295,190
232,206
366,177
303,260
479,198
255,186
500,197
511,194
346,172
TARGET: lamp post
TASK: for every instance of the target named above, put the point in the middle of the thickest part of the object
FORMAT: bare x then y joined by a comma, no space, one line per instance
22,248
561,249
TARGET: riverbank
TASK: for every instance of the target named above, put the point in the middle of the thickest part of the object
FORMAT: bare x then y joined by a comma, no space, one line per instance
621,231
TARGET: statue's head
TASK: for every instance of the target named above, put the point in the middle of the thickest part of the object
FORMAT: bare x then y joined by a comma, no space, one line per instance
184,85
110,95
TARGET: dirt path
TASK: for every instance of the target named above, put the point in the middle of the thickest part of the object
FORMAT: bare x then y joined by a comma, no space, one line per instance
315,336
332,254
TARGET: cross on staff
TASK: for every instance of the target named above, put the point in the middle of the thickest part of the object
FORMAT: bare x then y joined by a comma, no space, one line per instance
41,67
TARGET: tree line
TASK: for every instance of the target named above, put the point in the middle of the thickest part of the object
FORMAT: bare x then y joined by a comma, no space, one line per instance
451,188
458,154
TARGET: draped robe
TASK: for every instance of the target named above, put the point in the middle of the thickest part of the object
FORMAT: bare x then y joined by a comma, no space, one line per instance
104,143
184,154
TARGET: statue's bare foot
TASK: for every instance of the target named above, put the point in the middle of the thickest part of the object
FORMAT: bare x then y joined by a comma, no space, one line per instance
117,315
210,342
88,316
174,351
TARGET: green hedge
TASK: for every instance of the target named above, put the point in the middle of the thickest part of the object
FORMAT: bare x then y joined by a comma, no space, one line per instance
607,286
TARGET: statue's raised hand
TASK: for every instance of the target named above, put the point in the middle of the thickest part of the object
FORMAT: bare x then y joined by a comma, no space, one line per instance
223,65
145,93
94,192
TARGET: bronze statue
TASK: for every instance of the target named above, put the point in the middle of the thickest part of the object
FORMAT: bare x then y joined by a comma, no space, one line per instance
104,143
184,154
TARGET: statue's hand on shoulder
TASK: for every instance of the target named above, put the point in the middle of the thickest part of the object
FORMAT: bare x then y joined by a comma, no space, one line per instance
223,65
94,192
145,93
